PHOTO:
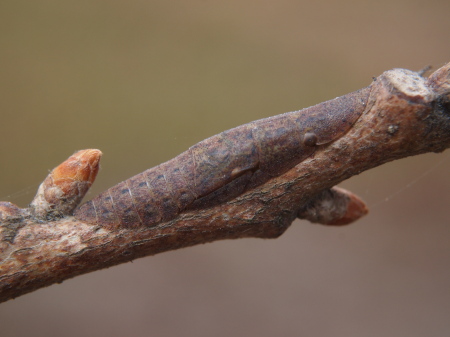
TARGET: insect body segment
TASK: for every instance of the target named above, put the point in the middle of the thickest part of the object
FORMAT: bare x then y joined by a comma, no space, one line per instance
225,165
124,206
221,158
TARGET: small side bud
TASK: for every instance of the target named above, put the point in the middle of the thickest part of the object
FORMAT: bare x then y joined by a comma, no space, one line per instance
439,81
334,207
67,184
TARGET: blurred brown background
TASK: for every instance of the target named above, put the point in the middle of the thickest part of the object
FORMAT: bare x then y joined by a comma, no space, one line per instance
144,80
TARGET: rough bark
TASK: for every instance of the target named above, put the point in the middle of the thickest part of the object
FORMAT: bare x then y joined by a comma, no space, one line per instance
44,244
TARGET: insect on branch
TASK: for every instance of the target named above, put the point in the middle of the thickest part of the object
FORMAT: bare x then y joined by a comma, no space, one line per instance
250,181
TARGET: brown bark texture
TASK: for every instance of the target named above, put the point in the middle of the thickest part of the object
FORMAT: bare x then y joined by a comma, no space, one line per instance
251,181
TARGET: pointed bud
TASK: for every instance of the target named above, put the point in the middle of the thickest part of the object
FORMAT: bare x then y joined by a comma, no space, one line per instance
334,207
66,185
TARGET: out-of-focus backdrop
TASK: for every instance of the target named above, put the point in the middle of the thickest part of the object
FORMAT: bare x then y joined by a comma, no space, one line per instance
144,80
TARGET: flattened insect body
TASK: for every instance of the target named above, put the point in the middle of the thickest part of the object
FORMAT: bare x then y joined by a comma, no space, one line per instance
224,193
146,202
224,166
180,184
104,210
280,144
218,159
124,205
163,194
330,120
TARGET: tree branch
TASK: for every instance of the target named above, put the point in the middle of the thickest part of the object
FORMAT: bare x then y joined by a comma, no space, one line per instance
404,115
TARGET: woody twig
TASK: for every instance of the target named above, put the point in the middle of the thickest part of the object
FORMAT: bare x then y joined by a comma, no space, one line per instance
400,114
